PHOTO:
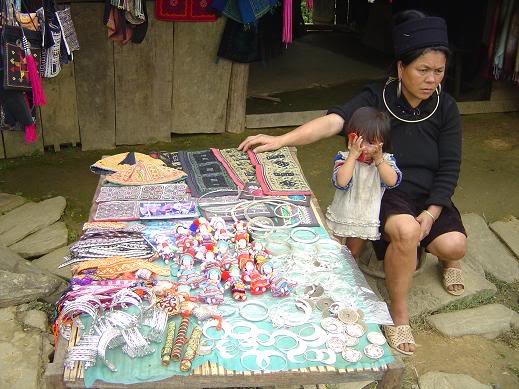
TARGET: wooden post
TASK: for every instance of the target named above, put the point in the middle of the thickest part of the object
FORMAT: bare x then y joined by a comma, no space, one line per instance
237,100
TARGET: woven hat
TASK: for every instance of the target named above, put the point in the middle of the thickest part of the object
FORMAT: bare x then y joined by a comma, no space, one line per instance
114,163
143,173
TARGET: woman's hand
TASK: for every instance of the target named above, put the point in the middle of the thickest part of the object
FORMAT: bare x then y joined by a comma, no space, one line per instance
355,146
260,143
426,223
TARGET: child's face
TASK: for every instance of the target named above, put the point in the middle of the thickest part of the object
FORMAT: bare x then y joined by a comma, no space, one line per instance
370,148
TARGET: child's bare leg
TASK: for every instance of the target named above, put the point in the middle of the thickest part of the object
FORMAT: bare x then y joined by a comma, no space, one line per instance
355,245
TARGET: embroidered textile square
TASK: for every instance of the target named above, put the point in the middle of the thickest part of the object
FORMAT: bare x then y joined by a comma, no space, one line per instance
238,165
205,173
172,192
278,173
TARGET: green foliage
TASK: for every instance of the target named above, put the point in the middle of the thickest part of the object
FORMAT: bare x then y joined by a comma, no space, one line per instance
307,13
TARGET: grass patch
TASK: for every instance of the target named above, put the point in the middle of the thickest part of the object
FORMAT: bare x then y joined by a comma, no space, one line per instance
511,338
485,297
507,293
514,370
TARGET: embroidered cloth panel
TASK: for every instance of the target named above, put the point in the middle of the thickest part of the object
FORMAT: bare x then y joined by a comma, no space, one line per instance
205,173
143,173
172,192
170,158
135,210
184,10
238,165
278,173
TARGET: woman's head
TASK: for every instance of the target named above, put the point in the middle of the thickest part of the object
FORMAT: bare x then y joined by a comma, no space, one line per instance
421,51
372,124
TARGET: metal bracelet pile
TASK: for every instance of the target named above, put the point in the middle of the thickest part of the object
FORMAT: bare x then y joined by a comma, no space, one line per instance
118,323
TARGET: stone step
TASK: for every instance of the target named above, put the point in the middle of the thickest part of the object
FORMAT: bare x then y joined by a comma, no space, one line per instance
29,218
42,242
485,250
13,263
18,288
52,260
508,232
9,202
438,379
488,320
428,294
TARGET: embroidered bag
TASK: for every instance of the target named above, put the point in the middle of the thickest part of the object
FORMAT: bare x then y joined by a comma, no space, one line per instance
16,74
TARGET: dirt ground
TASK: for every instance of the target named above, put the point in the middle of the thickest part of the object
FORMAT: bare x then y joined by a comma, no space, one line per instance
488,186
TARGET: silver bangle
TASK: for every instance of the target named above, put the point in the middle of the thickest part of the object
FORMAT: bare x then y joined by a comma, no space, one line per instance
293,235
254,318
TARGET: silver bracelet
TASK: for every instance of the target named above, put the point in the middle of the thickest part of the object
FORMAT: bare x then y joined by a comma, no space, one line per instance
248,317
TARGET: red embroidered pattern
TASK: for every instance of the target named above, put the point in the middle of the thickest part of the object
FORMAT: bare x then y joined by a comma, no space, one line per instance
184,10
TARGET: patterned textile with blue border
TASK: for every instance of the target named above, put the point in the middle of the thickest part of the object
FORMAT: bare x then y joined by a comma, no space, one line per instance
205,173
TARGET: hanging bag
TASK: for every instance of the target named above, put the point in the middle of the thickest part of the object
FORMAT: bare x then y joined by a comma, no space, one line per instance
14,53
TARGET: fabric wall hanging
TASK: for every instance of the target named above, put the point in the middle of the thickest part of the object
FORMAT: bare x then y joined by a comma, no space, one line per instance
67,29
244,11
184,10
238,165
205,173
173,192
278,173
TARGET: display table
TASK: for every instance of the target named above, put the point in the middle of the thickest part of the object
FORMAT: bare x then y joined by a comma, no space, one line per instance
211,374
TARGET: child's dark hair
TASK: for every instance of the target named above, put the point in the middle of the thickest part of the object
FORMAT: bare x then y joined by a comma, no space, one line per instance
372,124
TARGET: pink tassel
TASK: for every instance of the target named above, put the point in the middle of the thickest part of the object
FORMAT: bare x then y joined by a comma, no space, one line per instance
30,133
310,4
38,94
286,37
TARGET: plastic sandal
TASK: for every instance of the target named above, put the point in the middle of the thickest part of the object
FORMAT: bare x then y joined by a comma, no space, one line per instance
397,335
453,276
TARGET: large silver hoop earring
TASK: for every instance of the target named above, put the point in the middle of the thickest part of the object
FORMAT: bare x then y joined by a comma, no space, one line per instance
399,88
439,89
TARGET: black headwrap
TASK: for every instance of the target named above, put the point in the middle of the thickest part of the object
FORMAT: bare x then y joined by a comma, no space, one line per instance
419,33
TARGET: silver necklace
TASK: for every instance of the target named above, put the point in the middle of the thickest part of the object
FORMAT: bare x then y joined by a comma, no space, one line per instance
405,120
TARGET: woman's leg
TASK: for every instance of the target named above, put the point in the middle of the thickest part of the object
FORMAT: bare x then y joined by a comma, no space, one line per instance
355,245
449,248
403,233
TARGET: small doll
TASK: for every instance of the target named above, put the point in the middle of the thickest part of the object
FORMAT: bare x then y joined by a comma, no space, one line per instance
220,229
279,286
212,291
165,247
232,280
258,284
186,274
203,230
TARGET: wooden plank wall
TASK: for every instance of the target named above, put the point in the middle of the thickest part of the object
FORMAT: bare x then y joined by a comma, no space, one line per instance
114,94
200,84
143,77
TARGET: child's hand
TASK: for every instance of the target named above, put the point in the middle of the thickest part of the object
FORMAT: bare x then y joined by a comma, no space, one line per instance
378,155
355,146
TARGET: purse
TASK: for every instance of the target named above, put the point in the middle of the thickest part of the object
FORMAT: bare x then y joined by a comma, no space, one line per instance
16,75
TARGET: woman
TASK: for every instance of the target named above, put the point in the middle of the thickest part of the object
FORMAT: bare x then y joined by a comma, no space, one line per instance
426,142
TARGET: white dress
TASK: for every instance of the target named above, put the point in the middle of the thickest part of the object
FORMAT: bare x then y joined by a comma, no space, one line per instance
355,208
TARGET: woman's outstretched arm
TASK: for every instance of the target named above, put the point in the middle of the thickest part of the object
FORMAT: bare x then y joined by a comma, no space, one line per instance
314,130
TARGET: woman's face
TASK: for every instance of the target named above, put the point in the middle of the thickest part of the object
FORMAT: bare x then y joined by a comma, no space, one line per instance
422,76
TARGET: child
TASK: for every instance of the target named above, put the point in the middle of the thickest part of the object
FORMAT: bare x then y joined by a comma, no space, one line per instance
361,175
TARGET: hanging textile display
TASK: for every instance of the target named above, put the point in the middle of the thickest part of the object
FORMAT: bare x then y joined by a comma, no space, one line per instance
243,11
127,21
502,48
184,10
